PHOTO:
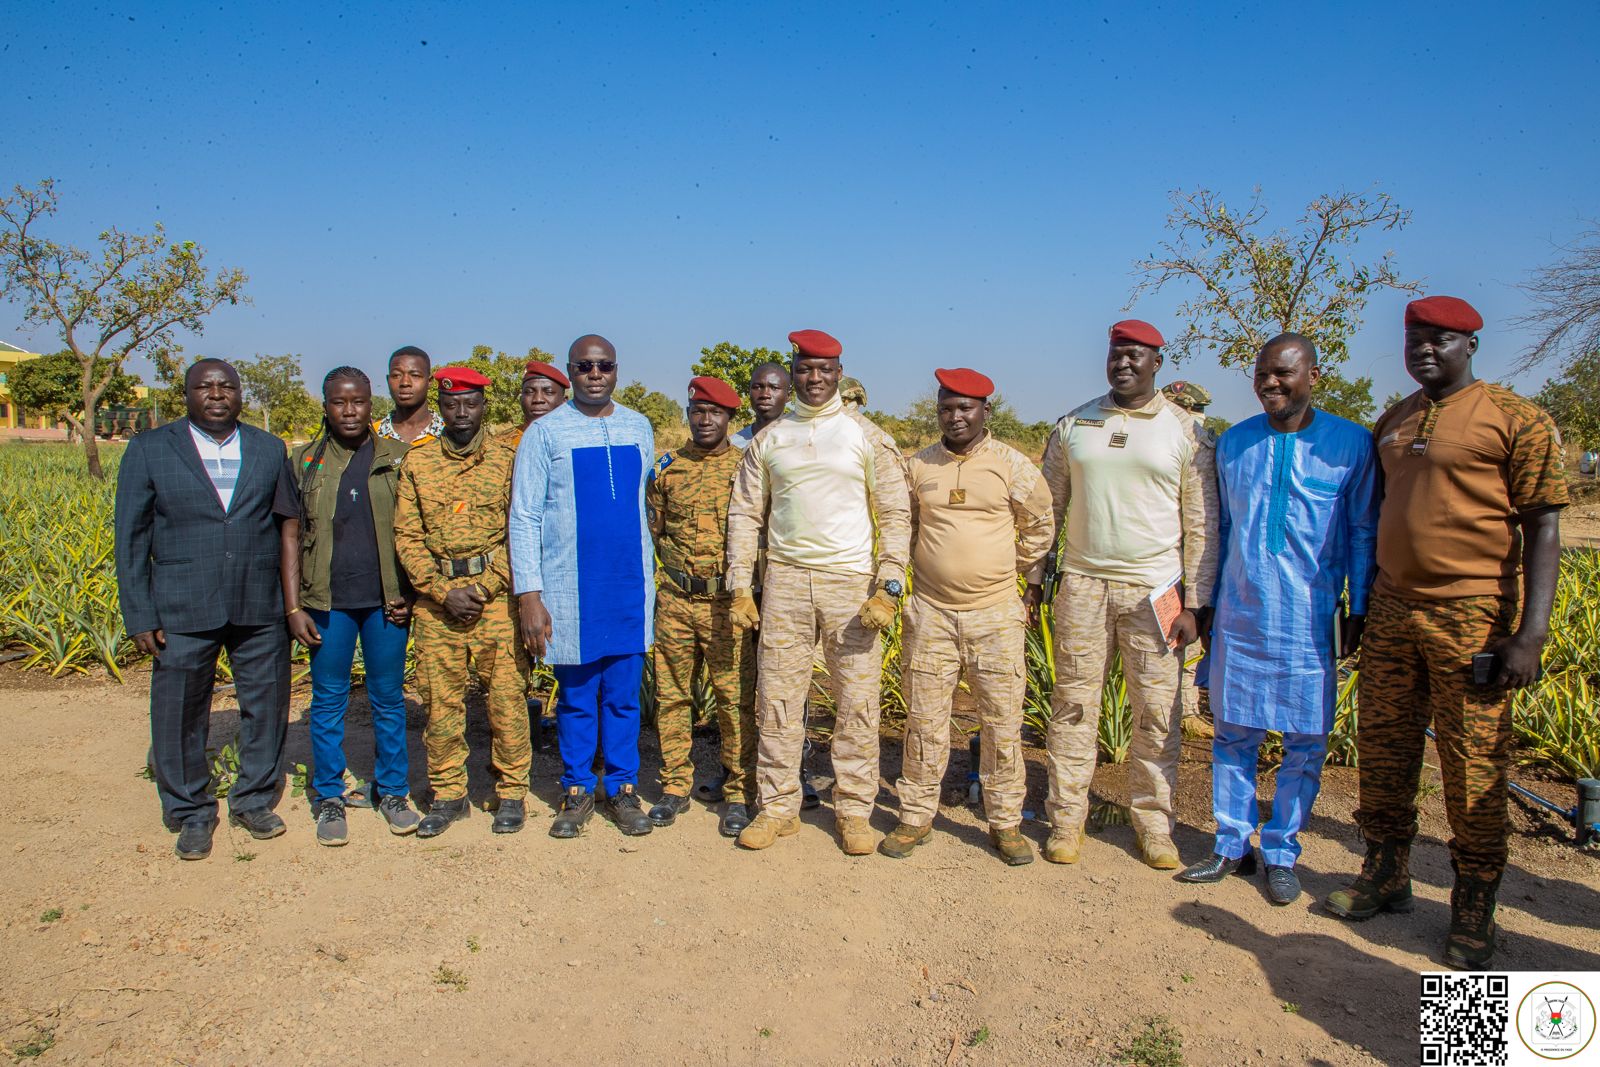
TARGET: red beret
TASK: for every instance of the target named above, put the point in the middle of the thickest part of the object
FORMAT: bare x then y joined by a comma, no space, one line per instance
537,369
815,344
1136,332
1445,312
965,382
459,380
715,390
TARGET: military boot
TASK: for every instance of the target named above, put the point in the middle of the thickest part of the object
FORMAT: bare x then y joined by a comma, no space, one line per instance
1384,883
1470,945
855,835
1158,851
576,807
510,816
1063,848
1011,845
766,829
441,813
902,839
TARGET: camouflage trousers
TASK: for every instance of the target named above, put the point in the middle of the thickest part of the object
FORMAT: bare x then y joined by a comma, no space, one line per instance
798,605
691,631
1416,666
937,646
1093,618
444,648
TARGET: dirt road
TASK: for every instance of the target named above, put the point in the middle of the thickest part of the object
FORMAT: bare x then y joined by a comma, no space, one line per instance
677,948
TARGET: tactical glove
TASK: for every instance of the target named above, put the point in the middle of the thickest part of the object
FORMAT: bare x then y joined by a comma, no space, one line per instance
878,612
743,610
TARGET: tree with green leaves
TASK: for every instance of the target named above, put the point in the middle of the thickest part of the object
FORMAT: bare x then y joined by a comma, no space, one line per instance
128,296
1573,400
734,365
167,393
1349,398
52,386
1255,283
273,386
504,372
658,407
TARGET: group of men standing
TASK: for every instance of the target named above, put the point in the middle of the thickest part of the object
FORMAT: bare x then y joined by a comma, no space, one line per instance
748,555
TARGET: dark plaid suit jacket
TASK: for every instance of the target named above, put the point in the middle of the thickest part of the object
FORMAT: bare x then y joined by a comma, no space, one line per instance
183,564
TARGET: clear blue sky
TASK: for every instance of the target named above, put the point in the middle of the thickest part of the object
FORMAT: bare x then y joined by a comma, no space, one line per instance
935,184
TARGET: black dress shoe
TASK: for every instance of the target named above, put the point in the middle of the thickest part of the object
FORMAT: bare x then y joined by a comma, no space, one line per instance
576,807
194,840
1283,885
624,810
668,808
509,817
261,823
441,813
1216,868
735,817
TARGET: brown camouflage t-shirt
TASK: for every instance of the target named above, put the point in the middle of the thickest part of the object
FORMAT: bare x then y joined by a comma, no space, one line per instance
1458,474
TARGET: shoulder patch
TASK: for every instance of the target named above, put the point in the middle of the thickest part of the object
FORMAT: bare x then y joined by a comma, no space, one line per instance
661,464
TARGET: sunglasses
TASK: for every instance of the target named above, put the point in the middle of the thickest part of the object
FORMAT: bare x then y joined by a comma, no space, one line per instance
604,366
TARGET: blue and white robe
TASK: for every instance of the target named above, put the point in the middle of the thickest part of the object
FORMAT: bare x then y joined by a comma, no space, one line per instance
578,531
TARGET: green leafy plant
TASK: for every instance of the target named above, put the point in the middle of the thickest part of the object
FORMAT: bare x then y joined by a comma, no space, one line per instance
51,915
1157,1044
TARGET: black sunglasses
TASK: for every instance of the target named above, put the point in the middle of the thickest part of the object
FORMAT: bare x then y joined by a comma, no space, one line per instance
605,366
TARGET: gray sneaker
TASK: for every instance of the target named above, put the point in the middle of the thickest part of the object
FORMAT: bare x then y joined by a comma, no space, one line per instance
331,828
397,811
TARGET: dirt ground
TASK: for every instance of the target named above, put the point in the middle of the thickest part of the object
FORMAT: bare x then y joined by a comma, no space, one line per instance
1580,525
677,947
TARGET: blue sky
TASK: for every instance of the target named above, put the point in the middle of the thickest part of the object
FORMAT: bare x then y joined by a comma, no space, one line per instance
937,185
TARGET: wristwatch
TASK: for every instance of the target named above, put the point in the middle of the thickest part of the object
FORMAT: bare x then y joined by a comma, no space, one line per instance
893,588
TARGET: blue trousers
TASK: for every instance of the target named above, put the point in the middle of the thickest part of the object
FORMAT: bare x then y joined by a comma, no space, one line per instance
383,650
1234,752
597,710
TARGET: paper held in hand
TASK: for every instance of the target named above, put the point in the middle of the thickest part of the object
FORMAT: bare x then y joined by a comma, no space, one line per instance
1167,603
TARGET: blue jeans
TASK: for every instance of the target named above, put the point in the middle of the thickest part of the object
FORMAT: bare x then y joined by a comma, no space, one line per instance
597,709
383,649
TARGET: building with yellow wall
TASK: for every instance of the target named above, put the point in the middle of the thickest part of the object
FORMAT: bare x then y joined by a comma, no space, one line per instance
10,417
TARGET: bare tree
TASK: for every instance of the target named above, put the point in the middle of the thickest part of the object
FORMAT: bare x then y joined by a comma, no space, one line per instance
1255,283
1565,316
133,293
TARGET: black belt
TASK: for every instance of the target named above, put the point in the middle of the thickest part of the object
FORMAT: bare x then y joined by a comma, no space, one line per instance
463,568
697,586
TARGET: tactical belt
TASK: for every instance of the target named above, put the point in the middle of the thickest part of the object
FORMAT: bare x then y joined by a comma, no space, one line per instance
463,568
697,586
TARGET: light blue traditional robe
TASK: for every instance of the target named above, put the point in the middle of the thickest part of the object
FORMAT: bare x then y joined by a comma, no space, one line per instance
1299,514
578,532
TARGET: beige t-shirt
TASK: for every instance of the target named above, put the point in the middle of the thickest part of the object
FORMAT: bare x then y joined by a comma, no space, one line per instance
1138,490
978,521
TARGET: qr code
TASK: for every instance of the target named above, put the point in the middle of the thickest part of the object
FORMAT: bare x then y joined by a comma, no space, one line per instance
1464,1018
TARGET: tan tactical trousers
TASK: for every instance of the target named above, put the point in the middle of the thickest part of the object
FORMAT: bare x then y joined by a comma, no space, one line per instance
937,645
1093,617
798,605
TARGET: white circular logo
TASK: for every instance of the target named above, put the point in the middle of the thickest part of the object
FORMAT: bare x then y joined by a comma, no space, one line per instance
1556,1020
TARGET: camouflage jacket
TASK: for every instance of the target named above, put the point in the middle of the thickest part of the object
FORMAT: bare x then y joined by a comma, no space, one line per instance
687,497
453,505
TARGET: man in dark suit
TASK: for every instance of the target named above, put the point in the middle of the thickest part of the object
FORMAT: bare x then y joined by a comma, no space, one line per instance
197,547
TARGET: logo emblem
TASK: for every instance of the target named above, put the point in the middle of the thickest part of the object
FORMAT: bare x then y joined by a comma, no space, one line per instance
1556,1020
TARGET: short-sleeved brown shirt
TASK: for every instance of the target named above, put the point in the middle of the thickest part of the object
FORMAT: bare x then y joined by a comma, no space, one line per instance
1457,475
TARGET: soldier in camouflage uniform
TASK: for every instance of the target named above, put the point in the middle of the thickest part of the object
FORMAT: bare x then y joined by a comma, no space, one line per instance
1133,479
1473,486
450,535
1196,717
687,498
838,535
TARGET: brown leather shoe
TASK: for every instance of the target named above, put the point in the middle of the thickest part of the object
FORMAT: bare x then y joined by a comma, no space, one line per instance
766,829
855,836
